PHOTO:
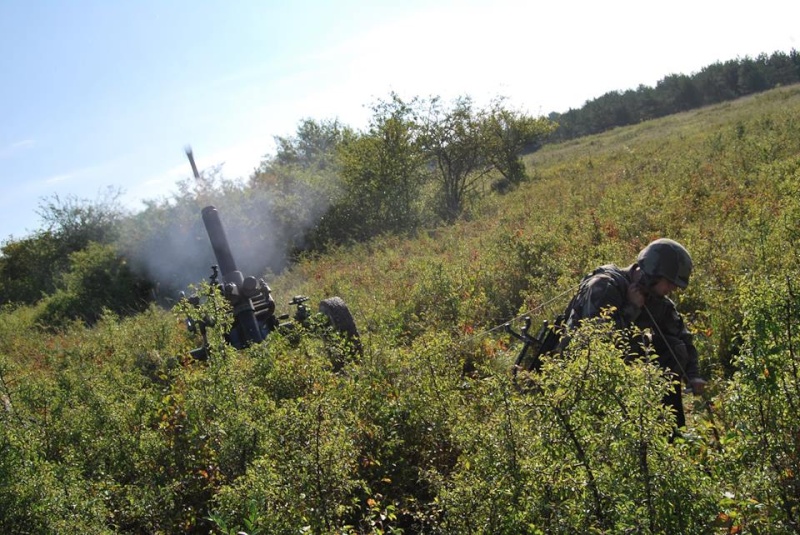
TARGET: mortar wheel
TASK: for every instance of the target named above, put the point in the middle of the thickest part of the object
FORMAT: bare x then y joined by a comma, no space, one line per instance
341,320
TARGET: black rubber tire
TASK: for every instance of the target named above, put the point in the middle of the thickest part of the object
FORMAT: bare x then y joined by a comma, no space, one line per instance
340,318
339,315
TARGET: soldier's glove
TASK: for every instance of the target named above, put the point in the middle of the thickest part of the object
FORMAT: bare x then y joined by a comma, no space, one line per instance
697,385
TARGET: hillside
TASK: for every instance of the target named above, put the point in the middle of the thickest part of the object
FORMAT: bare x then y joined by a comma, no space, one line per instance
113,429
719,180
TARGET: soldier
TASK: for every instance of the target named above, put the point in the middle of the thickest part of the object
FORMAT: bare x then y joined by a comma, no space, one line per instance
637,296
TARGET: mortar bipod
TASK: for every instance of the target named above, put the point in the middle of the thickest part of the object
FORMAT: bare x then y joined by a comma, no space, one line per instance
544,341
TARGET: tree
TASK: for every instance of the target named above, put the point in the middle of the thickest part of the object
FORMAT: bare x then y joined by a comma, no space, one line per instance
509,133
752,75
30,268
678,93
452,138
382,171
98,279
713,85
781,70
76,222
313,146
303,181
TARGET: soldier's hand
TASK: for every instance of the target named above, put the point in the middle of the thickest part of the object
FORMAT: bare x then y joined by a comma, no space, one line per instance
636,295
698,385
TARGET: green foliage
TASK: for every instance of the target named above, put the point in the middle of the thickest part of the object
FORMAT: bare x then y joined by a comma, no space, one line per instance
78,222
303,183
421,161
763,401
509,134
314,146
75,435
98,280
582,447
382,171
114,429
31,268
452,137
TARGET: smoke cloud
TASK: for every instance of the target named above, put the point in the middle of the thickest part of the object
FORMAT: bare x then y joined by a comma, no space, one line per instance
168,243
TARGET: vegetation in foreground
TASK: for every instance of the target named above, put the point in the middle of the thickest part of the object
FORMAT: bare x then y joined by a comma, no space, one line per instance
111,429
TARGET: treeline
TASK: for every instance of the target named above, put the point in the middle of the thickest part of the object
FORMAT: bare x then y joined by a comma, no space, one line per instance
420,163
718,82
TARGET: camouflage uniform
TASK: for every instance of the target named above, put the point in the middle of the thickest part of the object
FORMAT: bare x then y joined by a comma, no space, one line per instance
607,287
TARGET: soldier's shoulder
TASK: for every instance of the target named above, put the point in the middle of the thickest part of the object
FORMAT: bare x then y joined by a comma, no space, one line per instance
609,272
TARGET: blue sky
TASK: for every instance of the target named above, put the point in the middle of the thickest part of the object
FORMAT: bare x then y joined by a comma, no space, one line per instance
105,94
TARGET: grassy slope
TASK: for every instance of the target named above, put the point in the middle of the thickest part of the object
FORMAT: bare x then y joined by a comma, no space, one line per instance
715,179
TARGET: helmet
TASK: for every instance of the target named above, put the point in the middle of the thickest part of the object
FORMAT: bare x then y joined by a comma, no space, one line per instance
666,258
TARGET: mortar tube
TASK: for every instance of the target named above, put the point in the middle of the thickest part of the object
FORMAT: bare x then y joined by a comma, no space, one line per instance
243,309
219,241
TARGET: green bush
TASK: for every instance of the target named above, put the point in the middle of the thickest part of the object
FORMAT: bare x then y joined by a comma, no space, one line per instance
98,280
582,447
762,446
